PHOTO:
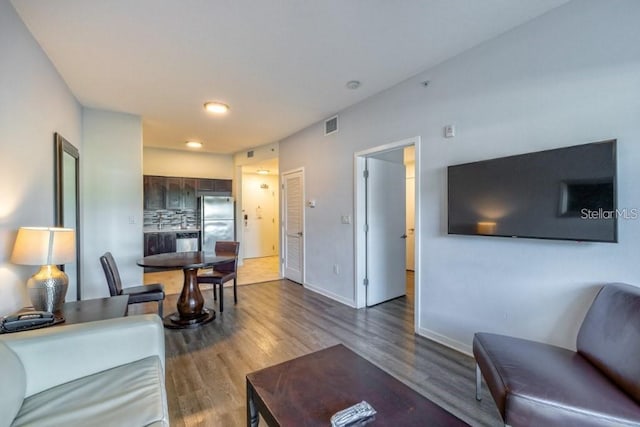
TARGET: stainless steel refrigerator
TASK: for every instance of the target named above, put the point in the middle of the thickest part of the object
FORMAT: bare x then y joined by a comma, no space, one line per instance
217,221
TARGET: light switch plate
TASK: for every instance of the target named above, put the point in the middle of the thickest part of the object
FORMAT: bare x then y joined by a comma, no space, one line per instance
449,131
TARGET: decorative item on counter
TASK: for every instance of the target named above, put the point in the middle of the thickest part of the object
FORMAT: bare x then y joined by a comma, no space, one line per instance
47,247
359,414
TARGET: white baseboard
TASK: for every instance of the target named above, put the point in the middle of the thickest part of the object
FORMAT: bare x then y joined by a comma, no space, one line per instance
446,341
339,298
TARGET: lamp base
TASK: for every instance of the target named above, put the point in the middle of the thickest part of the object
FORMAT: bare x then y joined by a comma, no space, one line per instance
47,288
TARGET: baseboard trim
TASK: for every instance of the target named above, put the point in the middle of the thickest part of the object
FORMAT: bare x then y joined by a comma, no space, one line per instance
339,298
446,341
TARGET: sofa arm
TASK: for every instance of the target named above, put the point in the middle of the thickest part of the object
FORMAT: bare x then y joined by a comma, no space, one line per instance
54,356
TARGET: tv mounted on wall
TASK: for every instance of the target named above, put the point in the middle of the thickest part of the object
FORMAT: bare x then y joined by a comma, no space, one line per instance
567,193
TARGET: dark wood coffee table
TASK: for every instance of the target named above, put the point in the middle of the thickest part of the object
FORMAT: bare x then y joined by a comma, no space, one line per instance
308,390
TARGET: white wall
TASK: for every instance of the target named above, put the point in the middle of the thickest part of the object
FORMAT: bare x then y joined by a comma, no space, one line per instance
569,77
112,197
34,103
263,152
163,162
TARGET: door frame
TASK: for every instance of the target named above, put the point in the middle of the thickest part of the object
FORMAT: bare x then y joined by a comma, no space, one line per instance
282,223
360,221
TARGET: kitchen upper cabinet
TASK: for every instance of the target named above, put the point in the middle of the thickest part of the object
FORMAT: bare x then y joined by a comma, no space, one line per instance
174,193
154,192
223,186
189,197
206,185
214,187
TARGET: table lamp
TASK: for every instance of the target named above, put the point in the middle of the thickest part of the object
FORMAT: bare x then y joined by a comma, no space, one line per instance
46,247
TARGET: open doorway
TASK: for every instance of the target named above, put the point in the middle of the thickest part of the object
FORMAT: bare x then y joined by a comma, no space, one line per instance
260,222
410,220
387,231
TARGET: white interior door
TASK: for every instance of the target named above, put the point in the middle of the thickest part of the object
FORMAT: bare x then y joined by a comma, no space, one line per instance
293,225
386,205
411,227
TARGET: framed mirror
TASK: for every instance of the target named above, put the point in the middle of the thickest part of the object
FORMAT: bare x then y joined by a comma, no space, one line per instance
67,203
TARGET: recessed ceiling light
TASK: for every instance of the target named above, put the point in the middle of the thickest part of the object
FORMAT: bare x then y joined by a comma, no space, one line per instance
193,144
216,107
353,84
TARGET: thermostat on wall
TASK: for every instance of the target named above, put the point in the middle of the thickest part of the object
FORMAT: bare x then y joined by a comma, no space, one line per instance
449,131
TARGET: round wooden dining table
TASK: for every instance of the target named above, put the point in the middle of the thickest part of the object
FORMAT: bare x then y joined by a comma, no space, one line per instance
191,310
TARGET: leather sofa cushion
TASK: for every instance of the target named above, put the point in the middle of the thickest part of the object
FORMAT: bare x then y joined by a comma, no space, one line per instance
610,336
540,384
127,395
13,384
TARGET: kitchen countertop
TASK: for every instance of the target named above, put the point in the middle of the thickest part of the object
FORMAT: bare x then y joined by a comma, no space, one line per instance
155,229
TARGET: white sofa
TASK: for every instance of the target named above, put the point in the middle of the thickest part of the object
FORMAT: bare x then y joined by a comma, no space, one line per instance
106,373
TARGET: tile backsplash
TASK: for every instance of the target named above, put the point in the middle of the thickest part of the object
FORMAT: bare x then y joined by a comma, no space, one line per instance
170,218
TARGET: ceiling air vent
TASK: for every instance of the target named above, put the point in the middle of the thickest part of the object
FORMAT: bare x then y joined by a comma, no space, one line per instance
249,154
331,125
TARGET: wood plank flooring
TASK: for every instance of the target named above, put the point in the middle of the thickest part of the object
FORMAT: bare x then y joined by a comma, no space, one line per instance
280,320
253,270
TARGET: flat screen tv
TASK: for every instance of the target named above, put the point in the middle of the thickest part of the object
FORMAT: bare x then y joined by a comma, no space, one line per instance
566,194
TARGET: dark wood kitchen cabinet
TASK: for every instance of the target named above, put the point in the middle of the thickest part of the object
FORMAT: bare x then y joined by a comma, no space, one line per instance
159,243
154,192
181,193
174,193
189,197
223,186
206,185
215,187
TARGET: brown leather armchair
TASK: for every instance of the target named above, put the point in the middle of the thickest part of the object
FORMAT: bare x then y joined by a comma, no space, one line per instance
536,384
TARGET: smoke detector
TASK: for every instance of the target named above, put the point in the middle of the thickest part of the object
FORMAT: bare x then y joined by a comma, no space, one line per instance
353,84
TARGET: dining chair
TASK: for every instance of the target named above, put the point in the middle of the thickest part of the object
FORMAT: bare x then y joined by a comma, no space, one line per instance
222,273
137,294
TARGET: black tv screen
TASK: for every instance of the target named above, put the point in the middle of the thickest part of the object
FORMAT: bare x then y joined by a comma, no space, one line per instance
567,193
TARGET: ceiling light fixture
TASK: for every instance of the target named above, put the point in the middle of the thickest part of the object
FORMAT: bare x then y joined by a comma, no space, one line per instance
353,84
216,107
193,144
263,171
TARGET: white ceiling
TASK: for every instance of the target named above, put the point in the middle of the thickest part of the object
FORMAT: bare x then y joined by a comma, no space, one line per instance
280,64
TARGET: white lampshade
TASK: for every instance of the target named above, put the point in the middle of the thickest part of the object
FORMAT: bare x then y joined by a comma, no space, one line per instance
44,246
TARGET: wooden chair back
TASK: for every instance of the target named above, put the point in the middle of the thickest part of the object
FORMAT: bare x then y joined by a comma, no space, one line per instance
227,248
111,273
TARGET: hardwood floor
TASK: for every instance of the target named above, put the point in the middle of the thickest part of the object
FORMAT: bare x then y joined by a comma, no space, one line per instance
253,270
280,320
